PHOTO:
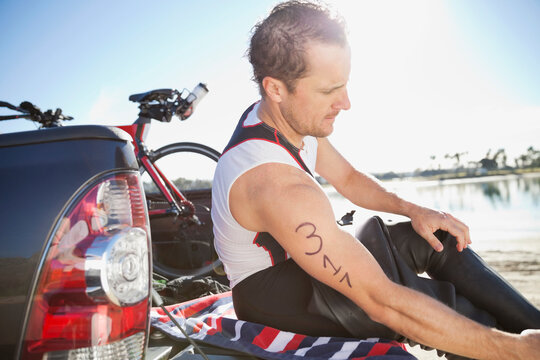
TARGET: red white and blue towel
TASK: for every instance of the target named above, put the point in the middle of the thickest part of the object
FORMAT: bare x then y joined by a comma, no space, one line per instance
212,320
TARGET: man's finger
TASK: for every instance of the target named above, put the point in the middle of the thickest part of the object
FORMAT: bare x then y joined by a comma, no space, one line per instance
459,245
464,228
433,241
460,237
457,229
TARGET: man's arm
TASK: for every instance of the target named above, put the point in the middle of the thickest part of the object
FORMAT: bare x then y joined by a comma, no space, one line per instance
285,202
365,191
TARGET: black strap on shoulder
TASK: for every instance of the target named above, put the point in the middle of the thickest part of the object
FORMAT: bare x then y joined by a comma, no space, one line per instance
262,131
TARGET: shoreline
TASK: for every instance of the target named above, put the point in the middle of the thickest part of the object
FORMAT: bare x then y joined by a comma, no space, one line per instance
445,175
421,180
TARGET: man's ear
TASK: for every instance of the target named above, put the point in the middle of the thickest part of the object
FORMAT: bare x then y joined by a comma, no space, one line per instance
275,89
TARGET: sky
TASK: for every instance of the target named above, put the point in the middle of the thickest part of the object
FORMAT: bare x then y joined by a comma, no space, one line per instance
429,77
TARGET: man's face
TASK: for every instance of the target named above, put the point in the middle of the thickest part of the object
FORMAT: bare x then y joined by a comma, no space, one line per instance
319,96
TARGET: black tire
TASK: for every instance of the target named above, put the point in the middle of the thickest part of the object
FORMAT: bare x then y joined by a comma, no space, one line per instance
180,247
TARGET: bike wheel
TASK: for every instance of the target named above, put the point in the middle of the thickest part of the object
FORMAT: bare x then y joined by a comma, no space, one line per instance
179,246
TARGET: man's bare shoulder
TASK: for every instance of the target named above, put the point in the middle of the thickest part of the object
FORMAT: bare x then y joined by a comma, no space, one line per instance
271,188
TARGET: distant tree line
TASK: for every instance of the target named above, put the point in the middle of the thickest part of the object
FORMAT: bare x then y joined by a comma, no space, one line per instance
491,162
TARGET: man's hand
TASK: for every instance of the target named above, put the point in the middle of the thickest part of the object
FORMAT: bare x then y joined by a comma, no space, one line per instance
426,221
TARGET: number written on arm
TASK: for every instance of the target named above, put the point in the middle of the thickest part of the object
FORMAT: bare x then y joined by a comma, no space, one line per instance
327,263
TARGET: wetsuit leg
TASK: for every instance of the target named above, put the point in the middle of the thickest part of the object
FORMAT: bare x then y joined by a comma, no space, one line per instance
471,276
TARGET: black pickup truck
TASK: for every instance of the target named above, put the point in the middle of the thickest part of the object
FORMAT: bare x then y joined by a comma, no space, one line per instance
75,264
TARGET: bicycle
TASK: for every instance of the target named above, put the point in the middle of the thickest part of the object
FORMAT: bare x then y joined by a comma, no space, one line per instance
179,210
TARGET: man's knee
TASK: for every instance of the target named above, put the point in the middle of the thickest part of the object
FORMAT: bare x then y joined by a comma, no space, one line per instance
374,236
416,251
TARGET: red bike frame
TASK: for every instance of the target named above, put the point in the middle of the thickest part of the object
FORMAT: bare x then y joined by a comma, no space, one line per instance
138,131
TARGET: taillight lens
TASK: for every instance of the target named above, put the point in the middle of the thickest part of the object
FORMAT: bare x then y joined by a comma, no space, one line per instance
92,298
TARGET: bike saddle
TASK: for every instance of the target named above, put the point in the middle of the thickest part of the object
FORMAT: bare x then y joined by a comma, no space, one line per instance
152,95
30,108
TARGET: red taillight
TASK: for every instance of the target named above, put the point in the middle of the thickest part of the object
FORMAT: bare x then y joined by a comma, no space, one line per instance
92,298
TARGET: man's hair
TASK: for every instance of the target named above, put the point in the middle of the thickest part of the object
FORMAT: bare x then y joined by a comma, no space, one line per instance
278,44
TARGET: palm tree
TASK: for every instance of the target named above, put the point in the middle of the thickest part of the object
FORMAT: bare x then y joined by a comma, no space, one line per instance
534,156
457,156
500,152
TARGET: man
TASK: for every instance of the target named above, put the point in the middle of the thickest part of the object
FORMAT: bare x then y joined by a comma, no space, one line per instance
289,264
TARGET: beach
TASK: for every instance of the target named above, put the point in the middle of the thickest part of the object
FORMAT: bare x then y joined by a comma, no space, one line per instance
521,267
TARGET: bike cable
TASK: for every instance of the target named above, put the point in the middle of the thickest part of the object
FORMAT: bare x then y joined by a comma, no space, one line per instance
156,299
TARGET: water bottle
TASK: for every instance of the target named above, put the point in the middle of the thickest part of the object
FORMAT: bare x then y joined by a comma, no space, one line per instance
191,101
197,94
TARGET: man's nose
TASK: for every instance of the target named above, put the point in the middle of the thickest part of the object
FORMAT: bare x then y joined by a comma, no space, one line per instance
343,103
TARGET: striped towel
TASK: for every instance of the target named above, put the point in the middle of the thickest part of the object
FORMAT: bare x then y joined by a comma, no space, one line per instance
212,320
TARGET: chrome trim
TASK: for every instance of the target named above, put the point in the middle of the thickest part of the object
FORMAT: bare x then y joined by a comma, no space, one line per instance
97,256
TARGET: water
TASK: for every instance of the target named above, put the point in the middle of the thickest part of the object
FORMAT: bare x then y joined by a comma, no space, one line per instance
503,213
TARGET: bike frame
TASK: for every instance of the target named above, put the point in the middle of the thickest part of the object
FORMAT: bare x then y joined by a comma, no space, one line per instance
138,131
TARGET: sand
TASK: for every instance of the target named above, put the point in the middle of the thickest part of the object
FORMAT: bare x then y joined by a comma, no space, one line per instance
521,267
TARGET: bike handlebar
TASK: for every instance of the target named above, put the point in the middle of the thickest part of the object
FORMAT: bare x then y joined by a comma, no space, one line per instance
163,104
31,112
